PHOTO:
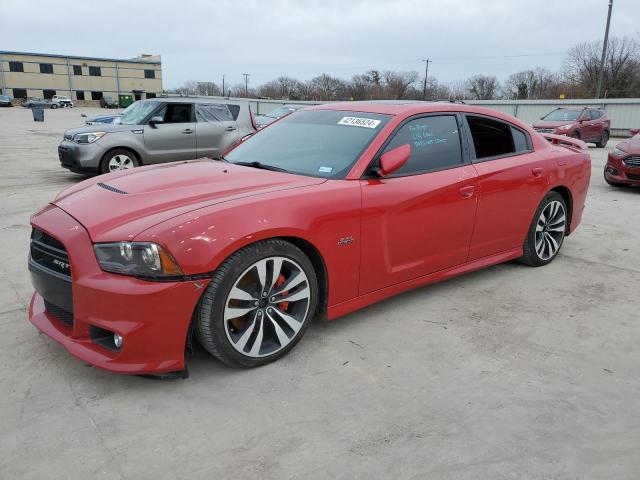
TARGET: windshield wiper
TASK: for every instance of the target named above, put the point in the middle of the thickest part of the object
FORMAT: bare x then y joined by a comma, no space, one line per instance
262,166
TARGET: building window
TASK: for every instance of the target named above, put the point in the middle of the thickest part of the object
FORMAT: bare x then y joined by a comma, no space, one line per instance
79,95
96,95
151,95
46,68
77,69
95,71
48,94
149,74
16,67
19,93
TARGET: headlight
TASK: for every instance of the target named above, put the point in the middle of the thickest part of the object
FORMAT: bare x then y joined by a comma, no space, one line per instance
88,137
138,259
566,127
616,152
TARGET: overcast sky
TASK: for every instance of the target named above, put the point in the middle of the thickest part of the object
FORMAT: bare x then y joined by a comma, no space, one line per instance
201,40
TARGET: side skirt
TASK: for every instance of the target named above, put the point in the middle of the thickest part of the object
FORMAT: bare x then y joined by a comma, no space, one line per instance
357,303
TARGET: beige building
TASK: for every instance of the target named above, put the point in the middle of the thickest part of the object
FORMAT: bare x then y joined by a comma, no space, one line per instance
85,79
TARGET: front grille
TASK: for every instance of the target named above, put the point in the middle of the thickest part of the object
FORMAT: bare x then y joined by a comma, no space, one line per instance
60,313
49,253
545,130
632,176
633,162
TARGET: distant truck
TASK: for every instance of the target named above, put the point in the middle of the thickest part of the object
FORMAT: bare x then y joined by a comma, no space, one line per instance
60,101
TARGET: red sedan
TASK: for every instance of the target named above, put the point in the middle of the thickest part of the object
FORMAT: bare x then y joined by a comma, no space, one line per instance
323,212
623,162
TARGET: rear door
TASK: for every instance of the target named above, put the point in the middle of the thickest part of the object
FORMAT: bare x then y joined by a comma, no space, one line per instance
512,178
420,219
175,138
216,129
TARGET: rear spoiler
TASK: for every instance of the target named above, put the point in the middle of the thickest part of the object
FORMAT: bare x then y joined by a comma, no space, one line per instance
571,143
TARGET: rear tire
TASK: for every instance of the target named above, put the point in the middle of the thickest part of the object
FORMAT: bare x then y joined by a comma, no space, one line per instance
603,140
244,318
547,231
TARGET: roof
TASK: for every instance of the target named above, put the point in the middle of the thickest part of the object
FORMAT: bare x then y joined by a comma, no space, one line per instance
128,60
401,107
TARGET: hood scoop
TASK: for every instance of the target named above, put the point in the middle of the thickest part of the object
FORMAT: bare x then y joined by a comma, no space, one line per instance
112,189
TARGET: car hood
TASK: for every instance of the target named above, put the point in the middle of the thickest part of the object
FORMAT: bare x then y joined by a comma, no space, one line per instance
631,145
119,206
552,124
106,127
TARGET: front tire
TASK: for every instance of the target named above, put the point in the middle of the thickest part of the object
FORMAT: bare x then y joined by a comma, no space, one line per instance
258,305
118,159
547,231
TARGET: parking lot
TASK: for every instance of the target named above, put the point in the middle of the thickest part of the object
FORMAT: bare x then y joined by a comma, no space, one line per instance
507,373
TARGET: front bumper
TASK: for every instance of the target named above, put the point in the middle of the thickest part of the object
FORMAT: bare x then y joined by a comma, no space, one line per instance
618,172
79,158
152,317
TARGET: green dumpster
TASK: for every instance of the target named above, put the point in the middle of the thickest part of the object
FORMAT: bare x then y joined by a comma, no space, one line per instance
125,100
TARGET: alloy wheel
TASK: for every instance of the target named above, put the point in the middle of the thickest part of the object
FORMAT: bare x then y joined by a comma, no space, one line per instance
120,162
550,230
267,306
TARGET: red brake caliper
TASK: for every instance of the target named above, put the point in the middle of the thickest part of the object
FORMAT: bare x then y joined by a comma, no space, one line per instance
282,305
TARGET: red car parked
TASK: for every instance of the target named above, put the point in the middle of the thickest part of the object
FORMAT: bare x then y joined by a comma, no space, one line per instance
588,124
623,162
327,210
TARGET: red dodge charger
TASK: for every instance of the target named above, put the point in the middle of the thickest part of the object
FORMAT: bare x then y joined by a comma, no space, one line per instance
321,213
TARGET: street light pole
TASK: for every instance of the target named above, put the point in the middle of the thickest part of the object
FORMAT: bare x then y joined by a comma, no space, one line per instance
426,73
604,50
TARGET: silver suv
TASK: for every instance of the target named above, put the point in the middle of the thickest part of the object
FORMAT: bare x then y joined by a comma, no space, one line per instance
155,131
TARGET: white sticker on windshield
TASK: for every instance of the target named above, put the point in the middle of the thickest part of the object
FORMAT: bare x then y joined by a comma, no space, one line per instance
359,122
325,169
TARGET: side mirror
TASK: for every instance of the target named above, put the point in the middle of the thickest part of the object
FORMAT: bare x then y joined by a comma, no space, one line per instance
156,120
634,131
393,160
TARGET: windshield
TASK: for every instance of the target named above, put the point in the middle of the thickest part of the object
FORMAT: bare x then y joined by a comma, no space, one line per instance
135,113
563,115
316,143
279,112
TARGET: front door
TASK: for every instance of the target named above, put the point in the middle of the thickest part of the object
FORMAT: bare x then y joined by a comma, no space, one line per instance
216,130
420,219
175,138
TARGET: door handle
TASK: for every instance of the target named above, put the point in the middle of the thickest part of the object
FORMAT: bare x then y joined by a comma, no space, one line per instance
230,129
467,191
536,172
187,131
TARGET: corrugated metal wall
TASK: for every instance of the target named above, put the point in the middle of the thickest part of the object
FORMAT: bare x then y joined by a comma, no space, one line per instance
624,113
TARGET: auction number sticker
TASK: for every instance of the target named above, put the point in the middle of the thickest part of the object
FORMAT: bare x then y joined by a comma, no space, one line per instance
359,122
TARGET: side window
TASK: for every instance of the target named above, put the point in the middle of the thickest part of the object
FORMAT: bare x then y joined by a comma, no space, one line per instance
595,114
177,113
213,113
521,141
434,141
586,115
491,138
235,110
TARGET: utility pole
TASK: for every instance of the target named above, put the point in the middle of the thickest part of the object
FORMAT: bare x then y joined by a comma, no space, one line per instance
223,84
604,50
246,84
426,73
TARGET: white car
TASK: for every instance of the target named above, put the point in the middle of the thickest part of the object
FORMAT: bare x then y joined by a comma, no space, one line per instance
61,101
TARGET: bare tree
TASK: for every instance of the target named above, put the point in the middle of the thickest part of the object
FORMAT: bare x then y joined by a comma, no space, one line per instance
621,69
327,87
531,84
397,83
482,87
